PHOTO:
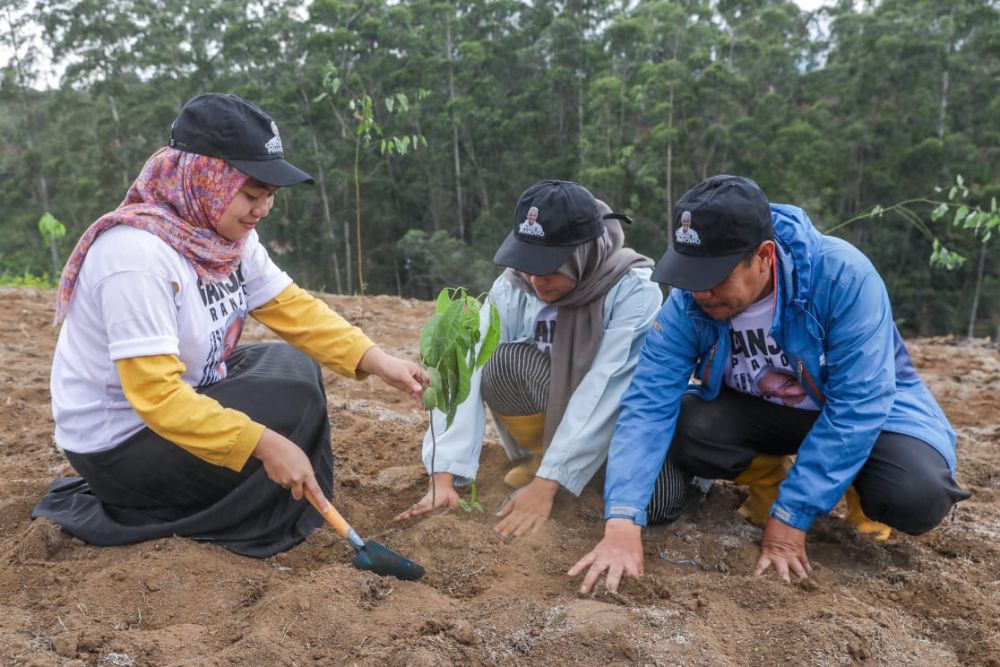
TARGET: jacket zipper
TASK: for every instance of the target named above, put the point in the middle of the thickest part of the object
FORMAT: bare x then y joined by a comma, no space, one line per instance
804,374
708,366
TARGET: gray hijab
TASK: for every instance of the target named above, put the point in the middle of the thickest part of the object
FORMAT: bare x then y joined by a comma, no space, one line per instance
596,266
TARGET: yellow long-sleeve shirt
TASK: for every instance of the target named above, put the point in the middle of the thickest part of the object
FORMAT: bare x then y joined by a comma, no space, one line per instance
222,436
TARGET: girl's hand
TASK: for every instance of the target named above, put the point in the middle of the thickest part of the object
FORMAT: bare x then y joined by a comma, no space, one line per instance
407,376
288,466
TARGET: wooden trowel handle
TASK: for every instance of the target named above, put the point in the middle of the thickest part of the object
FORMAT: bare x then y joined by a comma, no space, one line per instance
331,515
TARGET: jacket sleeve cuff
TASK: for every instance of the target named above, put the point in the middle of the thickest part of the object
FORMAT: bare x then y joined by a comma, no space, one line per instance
566,479
801,520
244,446
636,516
354,355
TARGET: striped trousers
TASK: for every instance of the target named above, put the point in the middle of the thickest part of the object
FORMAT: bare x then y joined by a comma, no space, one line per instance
516,383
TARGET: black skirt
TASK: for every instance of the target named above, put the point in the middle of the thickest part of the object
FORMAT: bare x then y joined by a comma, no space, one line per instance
147,487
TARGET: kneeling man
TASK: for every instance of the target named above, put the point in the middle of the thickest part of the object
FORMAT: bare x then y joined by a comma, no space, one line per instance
777,341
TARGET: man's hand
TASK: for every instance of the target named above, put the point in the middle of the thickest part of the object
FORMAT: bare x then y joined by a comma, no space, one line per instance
783,547
407,376
288,466
619,552
527,508
443,495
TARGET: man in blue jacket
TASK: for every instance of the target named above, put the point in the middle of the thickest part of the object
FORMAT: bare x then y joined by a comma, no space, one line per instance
778,340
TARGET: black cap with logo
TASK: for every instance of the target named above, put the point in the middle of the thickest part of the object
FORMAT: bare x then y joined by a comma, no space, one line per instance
228,127
552,218
716,223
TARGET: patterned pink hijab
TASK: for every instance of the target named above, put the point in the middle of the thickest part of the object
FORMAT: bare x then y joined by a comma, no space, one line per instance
179,197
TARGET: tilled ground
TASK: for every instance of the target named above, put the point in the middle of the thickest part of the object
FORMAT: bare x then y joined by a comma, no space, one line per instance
931,600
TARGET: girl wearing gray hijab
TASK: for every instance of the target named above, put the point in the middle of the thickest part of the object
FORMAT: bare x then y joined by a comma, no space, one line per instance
575,305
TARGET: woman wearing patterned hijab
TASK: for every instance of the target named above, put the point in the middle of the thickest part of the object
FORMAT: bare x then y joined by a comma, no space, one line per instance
173,428
574,306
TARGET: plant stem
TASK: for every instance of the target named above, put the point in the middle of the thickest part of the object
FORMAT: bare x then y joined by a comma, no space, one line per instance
434,445
357,211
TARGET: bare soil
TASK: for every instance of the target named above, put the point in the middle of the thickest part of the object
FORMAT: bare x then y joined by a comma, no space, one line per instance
929,600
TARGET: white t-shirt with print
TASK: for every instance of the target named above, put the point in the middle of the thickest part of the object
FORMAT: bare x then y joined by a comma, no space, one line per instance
136,296
758,366
545,328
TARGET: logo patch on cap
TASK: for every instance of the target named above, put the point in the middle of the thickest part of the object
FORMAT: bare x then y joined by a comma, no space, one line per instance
684,233
530,226
273,144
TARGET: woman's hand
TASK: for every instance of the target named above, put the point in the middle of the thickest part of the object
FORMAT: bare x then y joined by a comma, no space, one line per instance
407,376
527,508
288,466
618,554
444,495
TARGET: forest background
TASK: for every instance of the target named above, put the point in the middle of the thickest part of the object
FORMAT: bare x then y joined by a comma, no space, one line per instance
423,121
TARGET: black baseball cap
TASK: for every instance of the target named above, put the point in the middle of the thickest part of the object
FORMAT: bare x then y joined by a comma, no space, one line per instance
228,127
551,219
716,223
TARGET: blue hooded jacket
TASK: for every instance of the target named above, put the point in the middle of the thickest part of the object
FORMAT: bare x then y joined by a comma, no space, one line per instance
834,322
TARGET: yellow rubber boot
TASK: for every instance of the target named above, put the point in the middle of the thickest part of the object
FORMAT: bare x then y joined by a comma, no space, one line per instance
856,517
763,476
528,431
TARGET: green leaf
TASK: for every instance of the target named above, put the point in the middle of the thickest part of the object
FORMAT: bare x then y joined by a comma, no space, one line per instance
430,398
50,228
941,209
960,214
450,373
464,376
492,338
445,335
443,300
471,320
464,504
390,103
436,381
429,354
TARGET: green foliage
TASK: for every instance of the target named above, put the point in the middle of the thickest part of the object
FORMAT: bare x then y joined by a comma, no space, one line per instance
981,223
27,280
50,228
448,347
835,110
366,131
432,260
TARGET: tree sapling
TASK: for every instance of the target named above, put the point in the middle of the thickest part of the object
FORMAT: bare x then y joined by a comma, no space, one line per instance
452,346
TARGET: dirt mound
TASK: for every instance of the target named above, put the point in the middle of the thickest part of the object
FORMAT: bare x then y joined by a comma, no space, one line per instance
931,600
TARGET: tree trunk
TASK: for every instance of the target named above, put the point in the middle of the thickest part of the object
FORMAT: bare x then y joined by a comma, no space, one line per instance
360,259
670,167
975,294
949,49
126,181
347,256
456,157
324,199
